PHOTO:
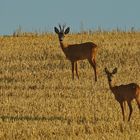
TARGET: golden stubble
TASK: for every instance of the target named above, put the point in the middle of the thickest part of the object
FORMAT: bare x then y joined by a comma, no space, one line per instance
39,100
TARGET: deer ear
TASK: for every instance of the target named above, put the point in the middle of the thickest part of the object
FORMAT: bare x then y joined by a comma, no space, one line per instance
56,30
67,30
114,71
106,70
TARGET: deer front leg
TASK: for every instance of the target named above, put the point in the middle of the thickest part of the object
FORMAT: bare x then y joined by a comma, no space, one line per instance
76,69
121,104
72,63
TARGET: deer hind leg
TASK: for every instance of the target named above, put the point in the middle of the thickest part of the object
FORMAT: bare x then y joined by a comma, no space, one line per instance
93,64
138,102
130,108
72,63
122,107
76,69
138,97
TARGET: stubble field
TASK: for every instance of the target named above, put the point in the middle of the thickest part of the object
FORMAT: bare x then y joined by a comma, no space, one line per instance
39,99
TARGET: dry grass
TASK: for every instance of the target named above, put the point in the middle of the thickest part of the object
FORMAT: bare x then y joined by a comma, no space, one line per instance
39,100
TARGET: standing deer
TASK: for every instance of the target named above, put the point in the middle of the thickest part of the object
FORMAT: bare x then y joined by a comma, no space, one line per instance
76,52
124,93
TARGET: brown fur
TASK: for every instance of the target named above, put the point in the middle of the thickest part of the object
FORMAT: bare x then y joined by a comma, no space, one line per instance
124,93
76,52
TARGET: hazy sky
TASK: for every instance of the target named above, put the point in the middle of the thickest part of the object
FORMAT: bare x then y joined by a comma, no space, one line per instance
42,15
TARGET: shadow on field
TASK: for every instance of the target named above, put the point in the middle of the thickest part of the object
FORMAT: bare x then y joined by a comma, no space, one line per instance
80,120
33,118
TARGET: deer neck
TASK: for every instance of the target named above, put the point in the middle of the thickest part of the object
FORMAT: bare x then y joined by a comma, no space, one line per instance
63,46
114,90
110,85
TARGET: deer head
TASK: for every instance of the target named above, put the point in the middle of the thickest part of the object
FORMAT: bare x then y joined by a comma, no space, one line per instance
110,74
62,32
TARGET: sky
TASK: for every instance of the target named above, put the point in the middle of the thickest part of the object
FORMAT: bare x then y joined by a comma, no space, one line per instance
43,15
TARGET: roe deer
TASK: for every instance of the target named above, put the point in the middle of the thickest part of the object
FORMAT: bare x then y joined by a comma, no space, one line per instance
124,93
75,52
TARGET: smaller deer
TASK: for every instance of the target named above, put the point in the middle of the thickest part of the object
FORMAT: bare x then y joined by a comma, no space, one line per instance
124,93
76,52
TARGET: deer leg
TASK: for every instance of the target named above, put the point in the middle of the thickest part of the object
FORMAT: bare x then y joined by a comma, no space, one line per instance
124,105
93,64
138,103
121,104
130,108
76,69
72,63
